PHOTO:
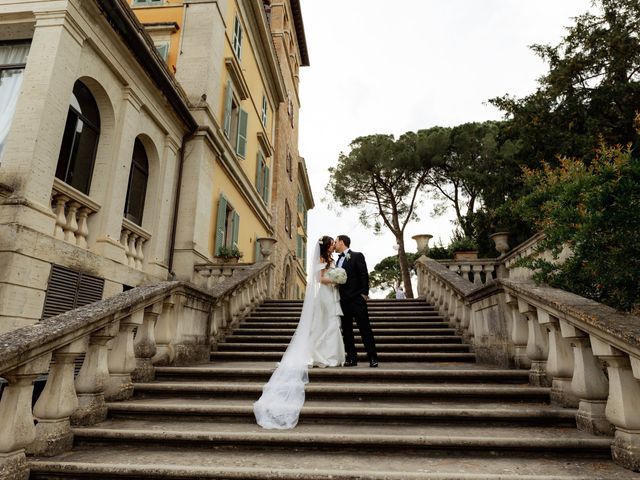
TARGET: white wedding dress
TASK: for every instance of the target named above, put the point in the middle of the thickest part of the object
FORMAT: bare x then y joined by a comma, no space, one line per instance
327,347
316,341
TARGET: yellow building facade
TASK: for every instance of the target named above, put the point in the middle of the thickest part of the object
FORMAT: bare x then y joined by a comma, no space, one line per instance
227,57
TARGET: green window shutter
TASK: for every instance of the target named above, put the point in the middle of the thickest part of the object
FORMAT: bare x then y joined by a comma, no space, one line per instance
241,143
236,228
228,103
260,174
221,223
267,185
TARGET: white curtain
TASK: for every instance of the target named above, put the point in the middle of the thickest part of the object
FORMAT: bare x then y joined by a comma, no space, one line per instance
10,82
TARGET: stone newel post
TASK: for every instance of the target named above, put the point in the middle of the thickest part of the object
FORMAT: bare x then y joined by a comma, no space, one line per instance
266,249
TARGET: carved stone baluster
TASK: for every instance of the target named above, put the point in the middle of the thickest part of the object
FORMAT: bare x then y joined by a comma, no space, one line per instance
589,383
165,333
72,223
465,271
519,333
17,430
205,273
537,346
132,249
93,379
122,360
623,406
61,219
56,403
124,241
145,345
488,273
559,363
83,227
477,271
139,256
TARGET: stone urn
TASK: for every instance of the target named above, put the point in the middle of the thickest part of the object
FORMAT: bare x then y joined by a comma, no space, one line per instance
422,242
501,240
266,246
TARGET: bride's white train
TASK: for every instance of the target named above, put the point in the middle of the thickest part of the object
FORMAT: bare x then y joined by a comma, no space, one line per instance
317,341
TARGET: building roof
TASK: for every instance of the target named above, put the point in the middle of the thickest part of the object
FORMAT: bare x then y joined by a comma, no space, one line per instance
127,25
299,24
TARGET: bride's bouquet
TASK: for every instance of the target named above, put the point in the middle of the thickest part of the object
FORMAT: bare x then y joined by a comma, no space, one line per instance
337,275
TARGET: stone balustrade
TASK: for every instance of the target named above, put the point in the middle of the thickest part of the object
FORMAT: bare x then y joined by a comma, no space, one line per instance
72,210
174,324
133,238
567,342
479,272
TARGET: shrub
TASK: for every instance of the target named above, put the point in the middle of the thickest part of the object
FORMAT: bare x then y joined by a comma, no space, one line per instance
229,252
595,211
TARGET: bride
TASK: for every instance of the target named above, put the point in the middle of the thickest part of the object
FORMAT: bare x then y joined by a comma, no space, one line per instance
317,341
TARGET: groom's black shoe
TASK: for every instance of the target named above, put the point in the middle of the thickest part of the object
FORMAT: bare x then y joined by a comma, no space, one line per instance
350,363
373,361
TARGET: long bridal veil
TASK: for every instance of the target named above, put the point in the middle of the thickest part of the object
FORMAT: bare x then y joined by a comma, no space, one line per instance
283,395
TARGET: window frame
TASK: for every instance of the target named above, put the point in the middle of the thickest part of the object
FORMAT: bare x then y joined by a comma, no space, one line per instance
145,171
236,44
79,116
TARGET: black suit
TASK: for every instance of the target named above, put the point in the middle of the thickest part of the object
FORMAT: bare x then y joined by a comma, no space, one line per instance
354,306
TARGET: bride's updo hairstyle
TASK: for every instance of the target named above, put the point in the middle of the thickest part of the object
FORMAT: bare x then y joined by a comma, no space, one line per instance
325,243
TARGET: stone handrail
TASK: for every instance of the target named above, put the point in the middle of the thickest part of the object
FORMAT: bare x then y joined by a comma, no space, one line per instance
72,209
563,339
122,339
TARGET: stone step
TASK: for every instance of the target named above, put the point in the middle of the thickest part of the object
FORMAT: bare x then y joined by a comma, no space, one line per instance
350,392
349,437
383,356
112,461
350,375
372,319
244,330
372,313
345,412
380,347
431,339
374,325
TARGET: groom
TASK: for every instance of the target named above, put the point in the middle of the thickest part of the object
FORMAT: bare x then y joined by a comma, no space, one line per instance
353,300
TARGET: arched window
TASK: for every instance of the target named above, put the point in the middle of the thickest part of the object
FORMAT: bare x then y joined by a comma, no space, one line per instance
80,140
137,189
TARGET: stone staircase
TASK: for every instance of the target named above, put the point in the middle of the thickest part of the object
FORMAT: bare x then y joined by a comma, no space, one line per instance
428,412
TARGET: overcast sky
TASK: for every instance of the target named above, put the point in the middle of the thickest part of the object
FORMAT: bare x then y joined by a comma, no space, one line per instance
380,66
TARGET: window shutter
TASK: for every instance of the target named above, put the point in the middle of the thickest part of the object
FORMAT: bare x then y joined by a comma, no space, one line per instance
260,175
220,224
267,185
241,144
68,289
236,228
228,103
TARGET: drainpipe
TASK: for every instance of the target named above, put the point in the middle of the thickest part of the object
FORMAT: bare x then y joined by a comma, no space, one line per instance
176,203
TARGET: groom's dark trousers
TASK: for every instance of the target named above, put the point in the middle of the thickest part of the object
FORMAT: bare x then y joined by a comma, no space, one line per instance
354,306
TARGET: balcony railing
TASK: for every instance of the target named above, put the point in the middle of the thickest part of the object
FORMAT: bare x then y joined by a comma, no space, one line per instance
72,210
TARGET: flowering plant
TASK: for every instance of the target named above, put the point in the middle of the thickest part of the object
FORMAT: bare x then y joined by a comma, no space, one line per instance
347,256
337,275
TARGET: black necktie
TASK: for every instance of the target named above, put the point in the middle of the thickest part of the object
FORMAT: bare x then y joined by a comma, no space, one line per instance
340,256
